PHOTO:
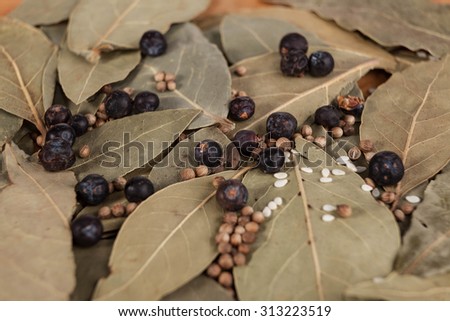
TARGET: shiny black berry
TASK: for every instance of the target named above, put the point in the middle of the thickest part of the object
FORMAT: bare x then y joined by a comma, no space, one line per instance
118,104
86,230
56,155
92,190
328,116
294,63
293,41
153,43
57,114
138,188
232,195
63,131
386,168
281,124
145,101
321,63
208,152
80,124
271,160
246,141
241,108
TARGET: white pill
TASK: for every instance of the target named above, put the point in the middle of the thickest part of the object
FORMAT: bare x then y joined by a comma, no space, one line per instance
278,200
280,175
351,166
338,172
306,169
413,199
366,188
325,172
287,155
326,179
280,183
360,169
328,208
272,205
328,218
267,212
342,160
376,193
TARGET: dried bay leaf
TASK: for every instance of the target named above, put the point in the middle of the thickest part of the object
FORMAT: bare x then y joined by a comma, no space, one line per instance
166,242
26,68
56,33
425,249
9,125
418,25
301,257
202,288
398,287
43,12
81,79
202,77
121,23
410,115
36,247
124,144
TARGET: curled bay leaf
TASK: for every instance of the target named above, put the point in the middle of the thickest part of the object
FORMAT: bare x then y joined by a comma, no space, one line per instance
36,247
410,115
202,288
202,77
9,125
43,12
418,25
165,243
124,144
121,23
302,257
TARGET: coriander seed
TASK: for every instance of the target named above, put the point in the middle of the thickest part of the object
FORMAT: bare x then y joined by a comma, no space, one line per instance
225,261
159,76
224,247
226,228
161,86
349,130
239,259
130,208
407,208
236,239
239,229
240,71
90,118
118,210
187,174
230,218
169,77
201,170
214,270
222,237
349,120
171,85
337,132
258,217
252,227
366,145
119,183
354,153
320,141
104,212
247,210
225,279
388,197
344,210
244,248
306,130
249,237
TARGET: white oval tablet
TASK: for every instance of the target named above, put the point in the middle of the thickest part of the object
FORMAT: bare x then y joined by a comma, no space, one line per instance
328,218
280,175
280,183
338,172
326,179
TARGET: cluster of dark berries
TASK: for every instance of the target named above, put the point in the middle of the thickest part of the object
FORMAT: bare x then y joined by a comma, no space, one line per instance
293,49
153,43
335,121
208,152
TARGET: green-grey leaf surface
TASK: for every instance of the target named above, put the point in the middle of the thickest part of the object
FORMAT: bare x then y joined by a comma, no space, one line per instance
9,125
202,77
410,115
398,287
202,288
166,242
124,144
81,79
119,24
36,247
56,33
301,257
418,25
43,12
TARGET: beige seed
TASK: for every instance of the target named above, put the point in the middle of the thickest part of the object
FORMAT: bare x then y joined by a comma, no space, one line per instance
241,71
234,93
84,151
310,138
225,279
388,197
101,115
248,237
370,182
342,123
239,259
320,141
344,210
101,108
130,207
242,220
306,130
107,89
171,85
217,181
337,132
90,119
99,122
252,227
187,174
399,215
349,130
258,217
407,208
119,183
354,153
214,270
40,141
244,248
236,239
159,76
225,261
129,90
349,120
226,228
104,212
222,237
247,210
366,145
271,142
230,218
201,171
284,143
239,229
224,247
118,210
242,93
161,86
169,77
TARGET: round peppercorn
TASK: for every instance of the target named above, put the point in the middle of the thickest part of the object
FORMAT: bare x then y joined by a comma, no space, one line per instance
320,64
92,190
145,101
327,116
232,195
271,160
294,63
80,124
56,155
57,114
208,152
241,108
386,168
63,131
281,124
87,230
246,141
138,188
153,43
293,41
118,104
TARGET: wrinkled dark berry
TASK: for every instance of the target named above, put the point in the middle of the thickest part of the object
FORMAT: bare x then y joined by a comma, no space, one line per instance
232,195
293,41
92,190
86,230
153,43
138,188
320,64
56,155
386,168
80,124
118,104
145,101
281,124
57,114
271,160
208,152
328,116
63,131
294,63
246,141
241,108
